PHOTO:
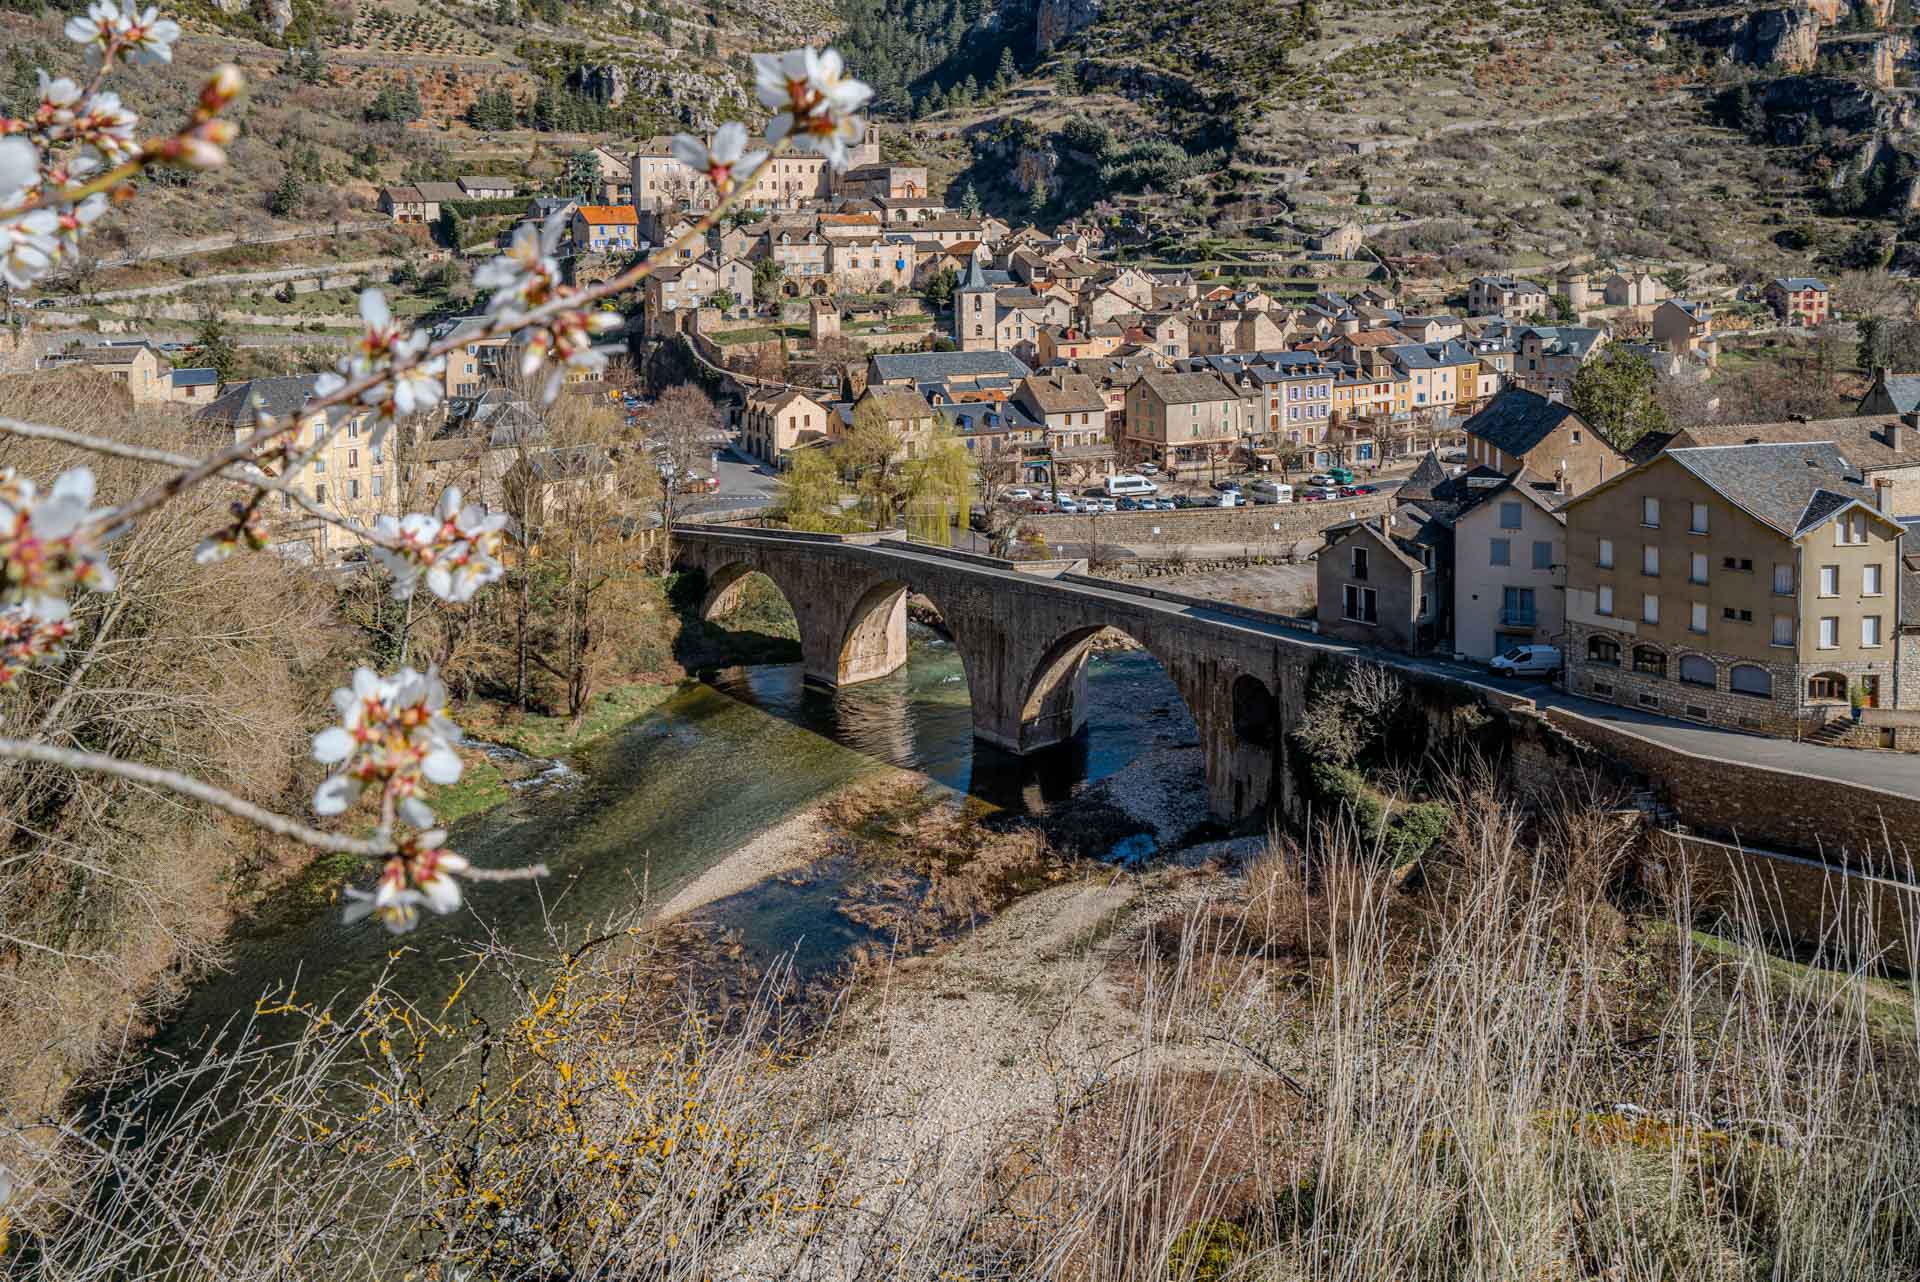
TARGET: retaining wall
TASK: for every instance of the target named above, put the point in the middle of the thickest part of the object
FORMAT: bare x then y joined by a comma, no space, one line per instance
1192,527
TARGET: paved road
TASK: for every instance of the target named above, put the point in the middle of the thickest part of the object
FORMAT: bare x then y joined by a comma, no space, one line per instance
1895,772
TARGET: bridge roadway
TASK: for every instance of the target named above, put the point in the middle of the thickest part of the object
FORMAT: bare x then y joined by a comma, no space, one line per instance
1023,634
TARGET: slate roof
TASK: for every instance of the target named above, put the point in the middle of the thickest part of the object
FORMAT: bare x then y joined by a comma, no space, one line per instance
1566,340
1794,284
1063,392
277,396
898,402
485,183
1188,389
1789,486
441,192
111,354
1517,420
1426,478
1904,391
917,367
1863,439
1430,355
194,377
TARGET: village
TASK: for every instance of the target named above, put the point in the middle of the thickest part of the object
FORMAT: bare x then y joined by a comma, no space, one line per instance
1425,458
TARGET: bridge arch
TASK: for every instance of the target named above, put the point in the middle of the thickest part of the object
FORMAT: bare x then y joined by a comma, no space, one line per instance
1053,696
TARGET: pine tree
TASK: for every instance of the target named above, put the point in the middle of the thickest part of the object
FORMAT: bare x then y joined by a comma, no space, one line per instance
213,349
710,46
290,197
503,12
1003,78
969,91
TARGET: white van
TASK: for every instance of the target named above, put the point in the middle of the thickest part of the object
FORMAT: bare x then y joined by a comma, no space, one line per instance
1129,486
1270,492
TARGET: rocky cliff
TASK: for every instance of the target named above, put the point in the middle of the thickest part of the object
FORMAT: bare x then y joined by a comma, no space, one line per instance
1055,20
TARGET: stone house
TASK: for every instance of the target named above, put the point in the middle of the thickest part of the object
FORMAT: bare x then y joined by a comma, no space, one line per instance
1344,241
1509,566
680,287
1550,355
902,411
1686,329
1058,343
958,371
605,229
136,366
1640,290
1521,431
1070,405
1748,586
1183,421
1506,296
864,264
406,204
477,362
1444,377
540,481
1884,450
1378,580
774,423
484,187
350,478
193,386
1799,300
733,274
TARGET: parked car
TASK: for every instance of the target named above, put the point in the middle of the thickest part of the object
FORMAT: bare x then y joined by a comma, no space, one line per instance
1133,505
1019,496
1267,491
1317,494
1527,661
1069,504
1227,486
1228,498
1147,468
1100,505
1128,484
1357,491
1319,478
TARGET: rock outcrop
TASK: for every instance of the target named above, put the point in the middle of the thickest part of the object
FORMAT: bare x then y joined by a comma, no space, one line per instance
1055,20
1782,39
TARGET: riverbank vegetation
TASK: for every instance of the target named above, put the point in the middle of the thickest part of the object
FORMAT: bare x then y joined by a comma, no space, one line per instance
1532,1055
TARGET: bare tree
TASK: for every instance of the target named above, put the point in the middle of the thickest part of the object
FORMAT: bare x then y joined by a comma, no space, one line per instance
681,431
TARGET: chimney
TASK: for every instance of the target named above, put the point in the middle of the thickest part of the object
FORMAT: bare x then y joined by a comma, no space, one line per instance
1897,432
1882,374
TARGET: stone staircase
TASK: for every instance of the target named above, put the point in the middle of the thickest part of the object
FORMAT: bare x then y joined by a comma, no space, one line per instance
1832,732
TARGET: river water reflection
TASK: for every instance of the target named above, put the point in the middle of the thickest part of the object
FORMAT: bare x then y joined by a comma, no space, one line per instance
658,803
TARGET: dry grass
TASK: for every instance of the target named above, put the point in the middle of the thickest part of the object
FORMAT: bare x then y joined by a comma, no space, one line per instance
1491,1071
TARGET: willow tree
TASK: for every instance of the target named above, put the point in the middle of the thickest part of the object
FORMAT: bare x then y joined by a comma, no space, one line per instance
939,488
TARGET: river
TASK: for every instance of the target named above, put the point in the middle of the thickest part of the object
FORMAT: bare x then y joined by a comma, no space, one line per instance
659,802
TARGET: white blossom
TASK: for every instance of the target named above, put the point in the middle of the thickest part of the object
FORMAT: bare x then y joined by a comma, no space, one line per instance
47,544
144,35
815,99
565,343
456,548
525,276
29,243
19,170
724,160
32,632
385,346
399,913
393,732
106,126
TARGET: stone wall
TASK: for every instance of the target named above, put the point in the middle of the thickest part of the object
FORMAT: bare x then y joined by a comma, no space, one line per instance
1843,823
1800,899
1254,526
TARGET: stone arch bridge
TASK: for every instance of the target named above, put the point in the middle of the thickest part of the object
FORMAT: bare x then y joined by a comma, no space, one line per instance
1023,636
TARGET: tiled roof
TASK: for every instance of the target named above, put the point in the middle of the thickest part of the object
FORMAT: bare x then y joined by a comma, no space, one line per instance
897,402
1794,284
1789,486
605,215
441,192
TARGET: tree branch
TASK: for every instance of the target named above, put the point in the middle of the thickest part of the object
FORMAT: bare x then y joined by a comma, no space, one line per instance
378,846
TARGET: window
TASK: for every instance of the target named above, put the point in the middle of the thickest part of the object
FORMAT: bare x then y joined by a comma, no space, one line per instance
1360,563
1650,513
1650,660
1829,580
1509,516
1605,604
353,428
1870,630
1696,670
1606,554
1782,578
1829,633
1870,581
1603,650
353,488
1358,604
1516,607
1748,678
1698,572
1697,617
320,463
1732,615
1783,629
320,494
1827,685
1650,608
1737,563
1501,552
353,458
1650,559
1698,523
1542,555
1851,528
379,484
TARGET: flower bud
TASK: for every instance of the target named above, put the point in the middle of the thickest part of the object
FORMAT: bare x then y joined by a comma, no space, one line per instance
221,88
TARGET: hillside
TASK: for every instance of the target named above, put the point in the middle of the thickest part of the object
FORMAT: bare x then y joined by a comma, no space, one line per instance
1494,132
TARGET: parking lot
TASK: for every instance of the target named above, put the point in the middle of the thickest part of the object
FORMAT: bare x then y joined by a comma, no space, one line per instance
1200,491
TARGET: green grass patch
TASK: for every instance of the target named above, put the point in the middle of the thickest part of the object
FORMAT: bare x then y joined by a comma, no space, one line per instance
759,334
1888,1003
539,735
